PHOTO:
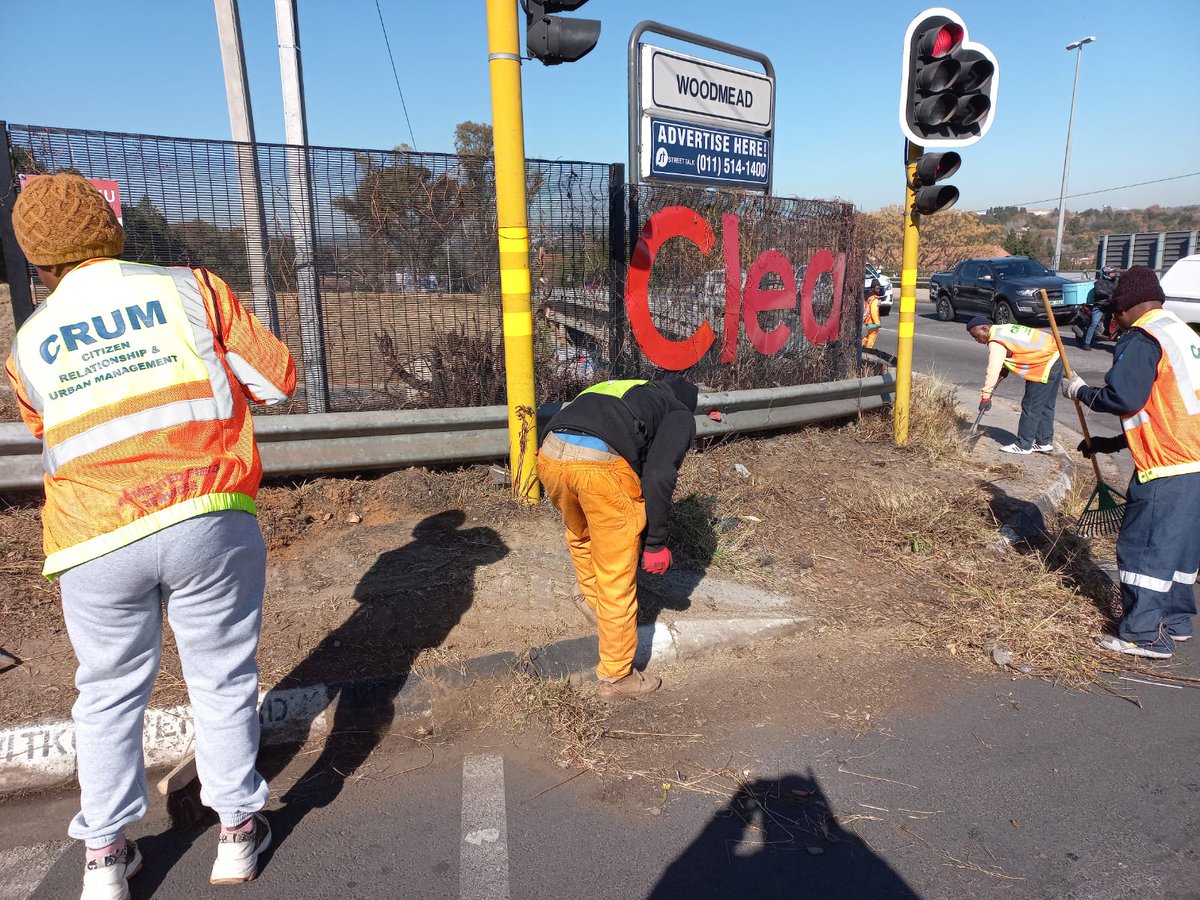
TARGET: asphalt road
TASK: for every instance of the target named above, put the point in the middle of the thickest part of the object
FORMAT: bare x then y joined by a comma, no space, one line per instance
1003,789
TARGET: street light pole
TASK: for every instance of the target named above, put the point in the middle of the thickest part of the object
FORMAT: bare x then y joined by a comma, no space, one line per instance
1062,194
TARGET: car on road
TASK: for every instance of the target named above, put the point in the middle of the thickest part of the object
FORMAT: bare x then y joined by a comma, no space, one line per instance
1181,284
1004,288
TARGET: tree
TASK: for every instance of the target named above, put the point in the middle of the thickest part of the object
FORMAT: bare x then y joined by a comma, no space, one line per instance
1023,244
404,211
946,238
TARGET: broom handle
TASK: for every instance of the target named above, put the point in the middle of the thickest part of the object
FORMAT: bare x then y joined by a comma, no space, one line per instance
1062,352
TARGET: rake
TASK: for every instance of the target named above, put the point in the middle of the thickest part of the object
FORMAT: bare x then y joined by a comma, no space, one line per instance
976,434
1106,506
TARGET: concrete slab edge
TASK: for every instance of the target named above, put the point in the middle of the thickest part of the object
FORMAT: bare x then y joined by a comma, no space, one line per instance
40,755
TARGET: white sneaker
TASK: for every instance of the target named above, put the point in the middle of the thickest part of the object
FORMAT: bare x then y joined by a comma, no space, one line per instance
1014,448
1181,638
1118,645
238,852
108,878
1043,448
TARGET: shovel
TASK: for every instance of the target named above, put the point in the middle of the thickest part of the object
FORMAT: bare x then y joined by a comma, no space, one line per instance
1106,506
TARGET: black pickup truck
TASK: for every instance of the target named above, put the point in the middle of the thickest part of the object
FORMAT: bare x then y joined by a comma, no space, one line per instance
1006,288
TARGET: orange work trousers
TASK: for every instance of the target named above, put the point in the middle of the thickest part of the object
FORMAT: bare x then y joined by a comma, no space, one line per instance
601,502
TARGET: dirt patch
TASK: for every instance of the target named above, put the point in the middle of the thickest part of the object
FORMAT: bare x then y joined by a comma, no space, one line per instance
417,568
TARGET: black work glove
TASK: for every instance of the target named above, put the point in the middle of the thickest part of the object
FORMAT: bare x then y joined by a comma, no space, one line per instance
1114,444
985,403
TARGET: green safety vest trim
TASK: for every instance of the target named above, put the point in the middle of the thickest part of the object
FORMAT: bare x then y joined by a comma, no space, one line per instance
69,557
616,389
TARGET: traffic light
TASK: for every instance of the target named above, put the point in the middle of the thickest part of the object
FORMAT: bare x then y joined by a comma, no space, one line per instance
948,83
555,40
930,196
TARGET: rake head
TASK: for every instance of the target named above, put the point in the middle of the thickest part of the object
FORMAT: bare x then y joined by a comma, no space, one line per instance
1104,511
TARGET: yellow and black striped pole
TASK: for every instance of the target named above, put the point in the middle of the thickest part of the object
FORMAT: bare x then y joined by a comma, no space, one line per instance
508,136
908,297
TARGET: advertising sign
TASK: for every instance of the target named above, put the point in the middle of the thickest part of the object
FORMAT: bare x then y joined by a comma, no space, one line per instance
702,153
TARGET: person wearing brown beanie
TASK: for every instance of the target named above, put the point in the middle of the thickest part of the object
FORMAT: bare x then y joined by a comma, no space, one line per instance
1154,387
136,380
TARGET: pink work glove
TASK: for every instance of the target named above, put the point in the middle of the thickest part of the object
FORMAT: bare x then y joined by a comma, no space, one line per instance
656,562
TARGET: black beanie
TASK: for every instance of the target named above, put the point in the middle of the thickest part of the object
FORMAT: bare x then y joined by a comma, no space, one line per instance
685,392
1137,285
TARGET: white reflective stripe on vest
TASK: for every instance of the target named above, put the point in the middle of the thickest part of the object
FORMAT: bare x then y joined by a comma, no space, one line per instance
1178,341
1136,420
116,430
1136,579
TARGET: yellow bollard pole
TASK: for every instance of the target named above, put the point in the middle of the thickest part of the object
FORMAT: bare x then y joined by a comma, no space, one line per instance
908,299
508,136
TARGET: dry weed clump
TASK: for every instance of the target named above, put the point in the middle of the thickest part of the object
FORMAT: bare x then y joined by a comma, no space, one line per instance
935,426
569,715
1042,607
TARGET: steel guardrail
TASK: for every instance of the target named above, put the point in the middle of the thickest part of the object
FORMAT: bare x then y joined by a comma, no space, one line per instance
327,443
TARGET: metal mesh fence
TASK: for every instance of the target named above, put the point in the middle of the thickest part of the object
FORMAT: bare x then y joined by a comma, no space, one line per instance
405,254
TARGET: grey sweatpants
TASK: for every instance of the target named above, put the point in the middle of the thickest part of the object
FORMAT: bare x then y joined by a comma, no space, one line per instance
208,574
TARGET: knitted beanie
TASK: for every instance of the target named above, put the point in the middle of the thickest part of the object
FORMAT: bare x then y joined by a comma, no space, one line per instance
1139,284
63,219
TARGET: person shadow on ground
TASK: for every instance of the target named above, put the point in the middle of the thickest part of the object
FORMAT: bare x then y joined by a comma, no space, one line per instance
779,839
409,600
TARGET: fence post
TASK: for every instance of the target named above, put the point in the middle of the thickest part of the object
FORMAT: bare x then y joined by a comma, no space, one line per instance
300,195
616,269
20,293
245,151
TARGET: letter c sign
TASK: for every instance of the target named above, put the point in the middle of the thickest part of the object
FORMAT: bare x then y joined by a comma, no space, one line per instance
669,222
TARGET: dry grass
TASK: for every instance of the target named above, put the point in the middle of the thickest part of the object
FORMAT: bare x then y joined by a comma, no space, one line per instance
1043,602
568,714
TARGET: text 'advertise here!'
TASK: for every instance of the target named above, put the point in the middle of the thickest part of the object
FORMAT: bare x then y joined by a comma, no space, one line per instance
702,121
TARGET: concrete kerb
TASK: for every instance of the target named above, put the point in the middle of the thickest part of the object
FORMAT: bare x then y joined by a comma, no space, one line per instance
41,755
1045,498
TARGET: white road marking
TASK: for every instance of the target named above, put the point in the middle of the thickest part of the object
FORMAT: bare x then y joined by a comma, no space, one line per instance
23,868
483,860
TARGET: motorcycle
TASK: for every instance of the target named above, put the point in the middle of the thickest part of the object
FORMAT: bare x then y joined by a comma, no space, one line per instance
1083,319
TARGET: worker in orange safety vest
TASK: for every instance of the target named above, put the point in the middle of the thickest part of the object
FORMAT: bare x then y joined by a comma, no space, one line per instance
136,380
1154,386
1032,354
871,315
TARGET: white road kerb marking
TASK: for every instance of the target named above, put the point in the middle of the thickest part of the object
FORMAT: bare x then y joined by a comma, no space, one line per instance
23,868
483,861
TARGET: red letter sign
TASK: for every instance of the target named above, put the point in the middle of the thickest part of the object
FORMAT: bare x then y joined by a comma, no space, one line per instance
672,221
822,262
756,300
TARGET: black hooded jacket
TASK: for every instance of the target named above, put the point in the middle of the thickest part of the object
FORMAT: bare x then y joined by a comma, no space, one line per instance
652,427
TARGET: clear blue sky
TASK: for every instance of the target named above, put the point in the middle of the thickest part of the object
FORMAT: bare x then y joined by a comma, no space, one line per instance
154,67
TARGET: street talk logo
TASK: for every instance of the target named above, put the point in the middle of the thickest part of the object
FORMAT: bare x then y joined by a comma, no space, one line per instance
747,303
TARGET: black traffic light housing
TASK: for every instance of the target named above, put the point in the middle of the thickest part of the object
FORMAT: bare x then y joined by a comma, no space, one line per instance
555,40
931,197
948,83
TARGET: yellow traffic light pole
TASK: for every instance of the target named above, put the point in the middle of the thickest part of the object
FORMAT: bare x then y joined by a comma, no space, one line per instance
908,297
508,135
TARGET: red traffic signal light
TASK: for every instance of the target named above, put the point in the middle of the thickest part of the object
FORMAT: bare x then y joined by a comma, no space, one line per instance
929,196
948,83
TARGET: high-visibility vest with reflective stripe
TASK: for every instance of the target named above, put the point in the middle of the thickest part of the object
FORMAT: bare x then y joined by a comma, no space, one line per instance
144,422
616,388
1164,435
1030,353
